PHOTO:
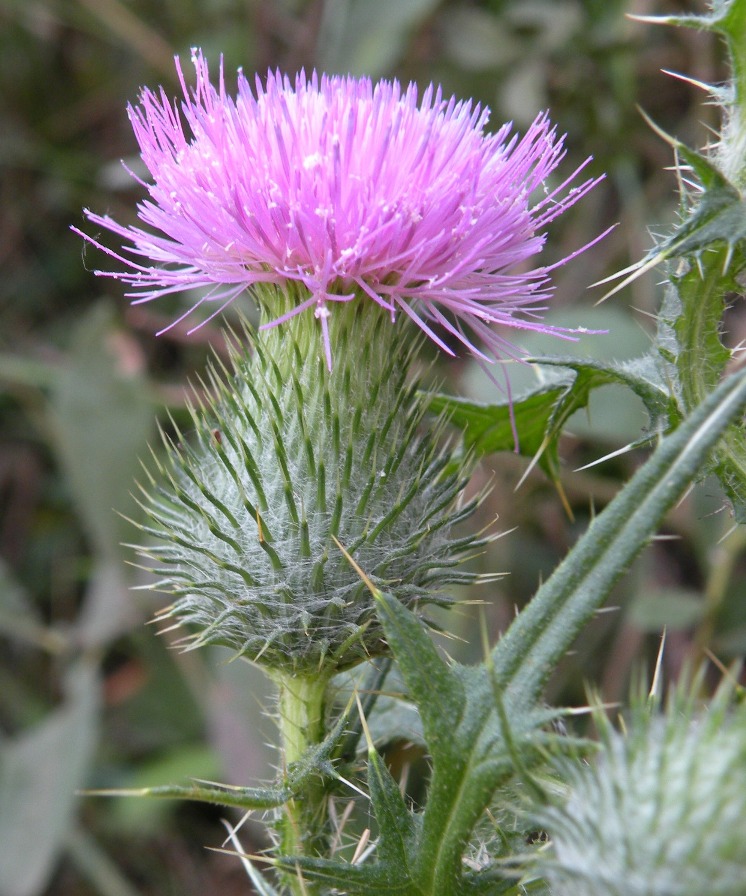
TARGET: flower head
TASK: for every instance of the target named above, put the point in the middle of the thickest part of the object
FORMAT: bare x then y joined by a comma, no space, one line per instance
350,190
662,810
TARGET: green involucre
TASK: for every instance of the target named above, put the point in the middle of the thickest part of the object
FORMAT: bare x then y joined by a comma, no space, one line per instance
286,458
660,812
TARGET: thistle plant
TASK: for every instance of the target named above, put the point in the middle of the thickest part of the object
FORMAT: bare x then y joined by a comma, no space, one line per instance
316,507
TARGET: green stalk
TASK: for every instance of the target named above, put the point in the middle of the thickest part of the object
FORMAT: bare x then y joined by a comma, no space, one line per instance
733,141
301,722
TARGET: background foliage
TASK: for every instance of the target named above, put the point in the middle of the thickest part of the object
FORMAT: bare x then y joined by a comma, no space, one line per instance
89,696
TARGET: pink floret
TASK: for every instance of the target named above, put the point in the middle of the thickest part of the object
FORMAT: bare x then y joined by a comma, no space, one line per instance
354,191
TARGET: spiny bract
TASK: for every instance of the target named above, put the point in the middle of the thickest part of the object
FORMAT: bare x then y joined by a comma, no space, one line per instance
292,457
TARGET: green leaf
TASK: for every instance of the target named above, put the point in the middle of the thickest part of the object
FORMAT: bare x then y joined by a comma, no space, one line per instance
352,880
470,753
689,342
487,427
711,243
672,608
395,849
397,824
545,628
719,213
713,217
541,414
419,854
207,792
728,17
40,772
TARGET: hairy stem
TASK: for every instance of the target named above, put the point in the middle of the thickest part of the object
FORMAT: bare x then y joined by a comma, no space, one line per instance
301,722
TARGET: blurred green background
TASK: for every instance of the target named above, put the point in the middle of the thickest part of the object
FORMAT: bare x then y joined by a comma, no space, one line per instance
90,697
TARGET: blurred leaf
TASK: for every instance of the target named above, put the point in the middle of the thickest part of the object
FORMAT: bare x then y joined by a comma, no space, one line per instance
546,26
109,609
731,644
671,608
475,39
18,617
167,712
395,719
601,333
390,716
361,37
236,705
472,752
133,31
40,772
96,866
102,419
30,372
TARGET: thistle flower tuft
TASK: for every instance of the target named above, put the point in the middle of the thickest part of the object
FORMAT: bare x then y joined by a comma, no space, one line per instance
351,190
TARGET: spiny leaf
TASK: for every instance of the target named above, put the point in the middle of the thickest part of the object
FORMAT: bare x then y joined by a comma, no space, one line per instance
714,215
541,414
728,17
208,792
439,695
719,213
487,427
316,762
397,824
40,770
689,340
353,880
421,855
546,627
467,745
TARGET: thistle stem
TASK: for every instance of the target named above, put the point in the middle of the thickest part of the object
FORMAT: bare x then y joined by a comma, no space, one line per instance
301,723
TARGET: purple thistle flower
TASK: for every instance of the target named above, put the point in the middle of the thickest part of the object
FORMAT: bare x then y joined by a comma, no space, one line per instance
350,191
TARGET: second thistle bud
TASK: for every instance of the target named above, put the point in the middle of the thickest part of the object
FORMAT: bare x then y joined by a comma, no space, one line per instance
661,811
287,458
